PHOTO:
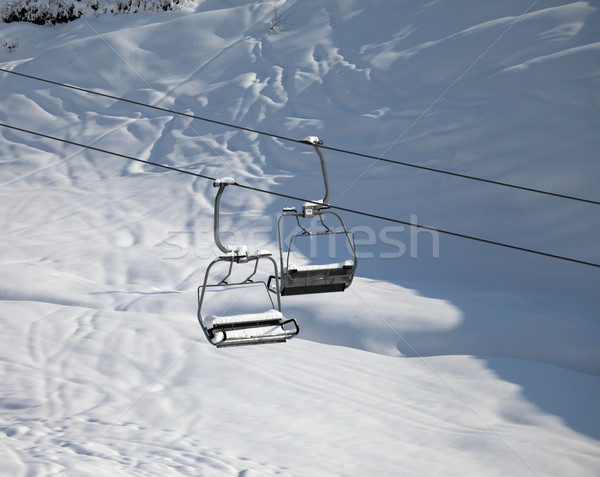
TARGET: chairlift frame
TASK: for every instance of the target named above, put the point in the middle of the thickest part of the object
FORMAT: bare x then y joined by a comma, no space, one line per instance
248,329
314,278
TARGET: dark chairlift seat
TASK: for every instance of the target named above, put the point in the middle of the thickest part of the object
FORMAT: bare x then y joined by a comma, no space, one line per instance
333,277
316,278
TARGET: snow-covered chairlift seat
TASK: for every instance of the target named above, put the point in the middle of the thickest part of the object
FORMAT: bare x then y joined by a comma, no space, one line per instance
251,328
242,329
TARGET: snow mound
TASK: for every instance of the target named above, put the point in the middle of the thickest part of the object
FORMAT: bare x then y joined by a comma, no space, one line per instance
472,360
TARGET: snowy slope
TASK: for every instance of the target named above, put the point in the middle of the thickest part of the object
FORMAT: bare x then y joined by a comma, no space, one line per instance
462,359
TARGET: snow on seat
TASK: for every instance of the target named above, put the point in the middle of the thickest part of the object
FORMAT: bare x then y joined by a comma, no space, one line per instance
250,328
246,318
330,266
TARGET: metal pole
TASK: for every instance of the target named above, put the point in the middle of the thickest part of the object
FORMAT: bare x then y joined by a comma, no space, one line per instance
324,169
216,222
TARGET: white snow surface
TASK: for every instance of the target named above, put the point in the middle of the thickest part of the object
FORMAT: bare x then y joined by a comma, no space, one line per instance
444,357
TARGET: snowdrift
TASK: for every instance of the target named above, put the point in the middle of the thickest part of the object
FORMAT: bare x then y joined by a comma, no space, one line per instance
444,356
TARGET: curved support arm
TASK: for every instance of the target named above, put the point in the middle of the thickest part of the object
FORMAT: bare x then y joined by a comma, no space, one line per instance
324,169
221,184
316,142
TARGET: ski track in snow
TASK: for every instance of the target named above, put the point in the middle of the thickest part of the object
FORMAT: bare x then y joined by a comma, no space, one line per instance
479,362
